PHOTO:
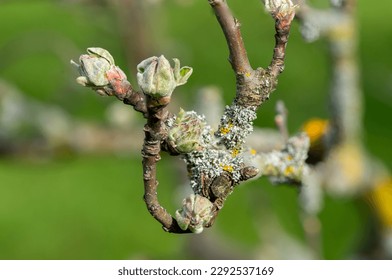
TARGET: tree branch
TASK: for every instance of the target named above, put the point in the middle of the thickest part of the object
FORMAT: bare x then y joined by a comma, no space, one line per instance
338,25
134,98
155,131
215,164
231,29
282,26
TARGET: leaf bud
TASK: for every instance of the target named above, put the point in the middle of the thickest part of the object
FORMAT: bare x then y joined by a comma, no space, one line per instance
184,136
93,67
195,214
158,79
280,8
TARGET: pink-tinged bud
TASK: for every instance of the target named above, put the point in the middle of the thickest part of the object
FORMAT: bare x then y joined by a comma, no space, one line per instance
118,81
93,67
98,71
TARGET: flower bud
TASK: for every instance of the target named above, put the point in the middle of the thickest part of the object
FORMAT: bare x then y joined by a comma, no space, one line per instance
280,7
158,79
184,135
93,67
195,214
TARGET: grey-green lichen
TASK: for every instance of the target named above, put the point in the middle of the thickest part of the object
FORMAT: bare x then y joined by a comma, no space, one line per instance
287,165
236,124
207,164
204,152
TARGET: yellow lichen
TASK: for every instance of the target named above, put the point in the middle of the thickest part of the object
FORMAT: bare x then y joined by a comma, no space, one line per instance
289,170
235,152
226,129
228,168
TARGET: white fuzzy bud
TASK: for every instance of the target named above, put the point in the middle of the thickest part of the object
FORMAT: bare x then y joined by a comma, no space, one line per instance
93,67
283,7
185,134
195,214
157,78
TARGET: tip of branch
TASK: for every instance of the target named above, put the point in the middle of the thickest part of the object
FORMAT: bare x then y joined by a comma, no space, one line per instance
280,8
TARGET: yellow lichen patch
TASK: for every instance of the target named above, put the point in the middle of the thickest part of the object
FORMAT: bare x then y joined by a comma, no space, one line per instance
253,152
381,200
289,171
225,129
289,157
235,152
315,129
248,74
228,168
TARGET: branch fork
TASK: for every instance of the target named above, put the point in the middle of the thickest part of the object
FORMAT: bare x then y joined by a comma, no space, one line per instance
217,161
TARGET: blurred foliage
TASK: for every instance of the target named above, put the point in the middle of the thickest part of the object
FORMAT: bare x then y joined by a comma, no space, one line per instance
90,207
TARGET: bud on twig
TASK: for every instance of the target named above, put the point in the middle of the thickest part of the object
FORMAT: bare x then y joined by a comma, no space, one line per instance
186,131
93,66
195,214
282,8
158,79
98,71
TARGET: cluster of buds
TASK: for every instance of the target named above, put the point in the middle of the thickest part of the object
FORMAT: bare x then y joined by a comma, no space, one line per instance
185,134
98,71
157,78
196,213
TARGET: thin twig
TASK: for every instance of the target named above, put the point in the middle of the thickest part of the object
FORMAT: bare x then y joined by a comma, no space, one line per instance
339,27
155,132
135,99
282,27
231,28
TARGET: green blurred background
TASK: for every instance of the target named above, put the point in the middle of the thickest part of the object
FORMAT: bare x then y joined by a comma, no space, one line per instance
68,205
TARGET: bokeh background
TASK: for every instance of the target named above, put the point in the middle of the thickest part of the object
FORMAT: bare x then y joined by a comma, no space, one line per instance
71,177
